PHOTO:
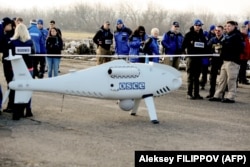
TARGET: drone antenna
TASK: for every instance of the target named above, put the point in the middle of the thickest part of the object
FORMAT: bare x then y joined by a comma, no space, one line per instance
62,102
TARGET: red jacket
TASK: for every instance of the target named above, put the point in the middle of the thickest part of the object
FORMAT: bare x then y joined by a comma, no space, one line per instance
246,52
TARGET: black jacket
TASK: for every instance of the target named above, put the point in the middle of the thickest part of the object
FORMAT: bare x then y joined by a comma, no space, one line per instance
54,45
191,41
232,46
105,36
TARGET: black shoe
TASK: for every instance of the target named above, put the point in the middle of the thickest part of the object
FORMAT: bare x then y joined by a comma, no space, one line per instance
245,83
198,97
8,110
191,97
209,96
16,115
40,75
215,99
28,113
226,100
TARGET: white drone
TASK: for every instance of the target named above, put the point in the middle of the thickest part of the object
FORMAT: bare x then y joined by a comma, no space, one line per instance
115,80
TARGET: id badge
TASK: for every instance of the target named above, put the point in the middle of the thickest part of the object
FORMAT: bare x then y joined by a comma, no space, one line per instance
108,42
199,44
23,50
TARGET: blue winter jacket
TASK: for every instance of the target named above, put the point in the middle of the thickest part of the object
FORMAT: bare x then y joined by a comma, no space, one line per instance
44,38
36,37
121,40
135,47
153,48
172,42
1,36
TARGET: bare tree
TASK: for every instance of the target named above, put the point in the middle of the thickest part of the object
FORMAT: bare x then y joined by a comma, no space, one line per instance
82,17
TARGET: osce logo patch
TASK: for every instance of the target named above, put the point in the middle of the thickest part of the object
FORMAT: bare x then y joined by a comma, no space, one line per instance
131,85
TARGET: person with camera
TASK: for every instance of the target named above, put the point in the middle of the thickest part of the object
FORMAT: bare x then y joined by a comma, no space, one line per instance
215,45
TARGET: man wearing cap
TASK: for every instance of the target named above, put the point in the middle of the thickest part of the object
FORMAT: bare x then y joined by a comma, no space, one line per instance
247,23
205,60
36,37
41,60
194,43
211,32
232,47
103,39
172,42
121,35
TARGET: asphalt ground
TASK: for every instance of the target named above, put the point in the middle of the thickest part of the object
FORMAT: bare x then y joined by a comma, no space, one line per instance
71,131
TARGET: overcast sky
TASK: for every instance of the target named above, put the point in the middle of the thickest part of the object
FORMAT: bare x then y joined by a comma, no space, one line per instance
215,6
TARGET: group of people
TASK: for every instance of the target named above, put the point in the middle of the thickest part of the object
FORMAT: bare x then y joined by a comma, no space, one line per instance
16,37
229,41
127,42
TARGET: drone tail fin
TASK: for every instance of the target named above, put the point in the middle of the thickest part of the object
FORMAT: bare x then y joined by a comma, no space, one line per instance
21,76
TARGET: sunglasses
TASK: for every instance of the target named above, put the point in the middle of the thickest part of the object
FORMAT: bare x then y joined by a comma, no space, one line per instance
198,25
217,30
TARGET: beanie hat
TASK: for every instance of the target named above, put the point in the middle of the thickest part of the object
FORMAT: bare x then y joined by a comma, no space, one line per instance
40,21
246,22
6,21
119,21
212,27
33,21
198,22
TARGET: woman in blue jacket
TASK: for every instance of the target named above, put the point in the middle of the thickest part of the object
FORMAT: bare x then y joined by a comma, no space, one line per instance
151,46
135,43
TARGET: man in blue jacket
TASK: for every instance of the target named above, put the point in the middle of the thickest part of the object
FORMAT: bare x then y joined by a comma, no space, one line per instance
172,42
37,38
121,35
42,59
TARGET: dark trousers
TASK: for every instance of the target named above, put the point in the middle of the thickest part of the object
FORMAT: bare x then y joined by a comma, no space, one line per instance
41,62
242,72
215,67
193,74
204,72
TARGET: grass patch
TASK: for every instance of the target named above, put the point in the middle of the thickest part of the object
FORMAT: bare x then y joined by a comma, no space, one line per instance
76,35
